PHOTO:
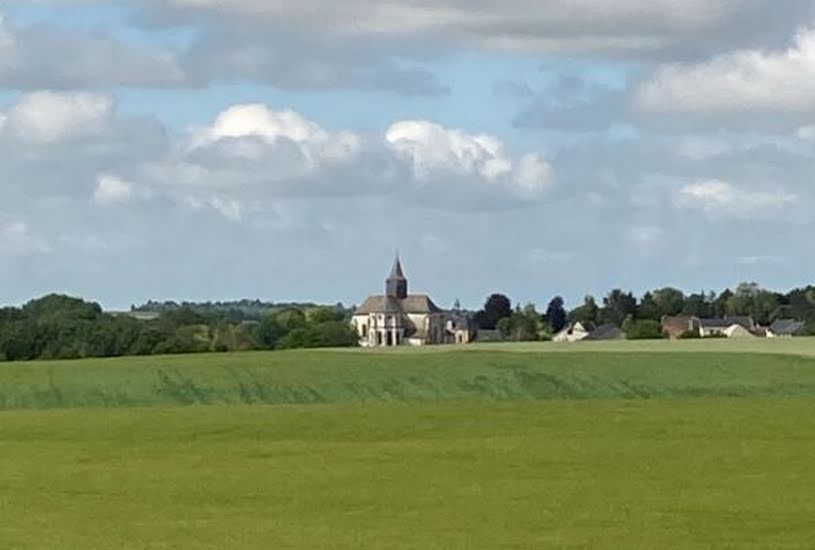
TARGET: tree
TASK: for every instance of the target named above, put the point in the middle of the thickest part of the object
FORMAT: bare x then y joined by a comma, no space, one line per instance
270,331
183,317
617,307
325,315
66,307
520,327
496,307
700,305
720,303
670,301
644,329
332,334
648,308
587,313
291,319
751,300
556,314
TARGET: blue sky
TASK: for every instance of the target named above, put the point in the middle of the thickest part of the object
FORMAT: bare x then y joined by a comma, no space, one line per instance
168,149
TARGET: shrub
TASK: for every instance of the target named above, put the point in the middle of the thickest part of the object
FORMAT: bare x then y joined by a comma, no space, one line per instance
644,330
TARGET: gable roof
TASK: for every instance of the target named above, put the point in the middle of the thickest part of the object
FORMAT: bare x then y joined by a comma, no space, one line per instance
415,303
419,303
727,322
606,332
379,304
787,327
581,326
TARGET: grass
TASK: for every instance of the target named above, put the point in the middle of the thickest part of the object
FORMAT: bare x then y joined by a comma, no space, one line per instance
684,474
785,346
689,445
484,373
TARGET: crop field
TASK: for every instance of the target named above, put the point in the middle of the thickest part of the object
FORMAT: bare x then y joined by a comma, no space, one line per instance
621,445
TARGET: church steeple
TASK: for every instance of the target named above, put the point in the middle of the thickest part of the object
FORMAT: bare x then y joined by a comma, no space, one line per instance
396,285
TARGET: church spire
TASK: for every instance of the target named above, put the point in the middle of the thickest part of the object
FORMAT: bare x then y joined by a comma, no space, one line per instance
396,285
396,272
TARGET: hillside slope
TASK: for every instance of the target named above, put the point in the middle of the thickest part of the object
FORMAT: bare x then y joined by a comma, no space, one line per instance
304,377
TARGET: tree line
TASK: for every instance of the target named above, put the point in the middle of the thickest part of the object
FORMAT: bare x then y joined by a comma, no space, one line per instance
640,317
62,327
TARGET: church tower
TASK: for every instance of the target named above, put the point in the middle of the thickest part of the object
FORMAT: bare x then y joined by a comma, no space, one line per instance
396,286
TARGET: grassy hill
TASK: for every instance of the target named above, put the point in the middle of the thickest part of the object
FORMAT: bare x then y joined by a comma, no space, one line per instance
496,374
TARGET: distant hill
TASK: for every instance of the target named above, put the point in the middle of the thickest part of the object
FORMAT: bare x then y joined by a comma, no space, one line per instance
238,310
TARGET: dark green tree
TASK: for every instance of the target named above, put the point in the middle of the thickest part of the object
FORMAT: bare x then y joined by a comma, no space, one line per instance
496,307
556,314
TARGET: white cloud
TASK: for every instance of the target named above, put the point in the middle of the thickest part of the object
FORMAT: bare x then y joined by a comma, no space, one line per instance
431,149
111,189
259,122
806,133
52,116
3,119
646,234
229,208
723,198
16,238
738,82
533,174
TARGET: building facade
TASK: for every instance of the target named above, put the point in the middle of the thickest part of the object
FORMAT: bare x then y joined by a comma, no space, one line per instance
399,318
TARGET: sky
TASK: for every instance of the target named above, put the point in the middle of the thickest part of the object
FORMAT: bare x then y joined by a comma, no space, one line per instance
280,150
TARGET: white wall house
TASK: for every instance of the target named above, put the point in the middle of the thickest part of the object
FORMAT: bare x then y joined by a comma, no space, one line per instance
574,332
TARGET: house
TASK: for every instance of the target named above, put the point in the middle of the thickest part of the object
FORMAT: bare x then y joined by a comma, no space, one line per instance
460,328
739,332
398,318
574,332
712,328
605,332
676,327
786,328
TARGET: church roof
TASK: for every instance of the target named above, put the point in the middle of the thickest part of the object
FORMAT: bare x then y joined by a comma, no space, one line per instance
396,272
415,303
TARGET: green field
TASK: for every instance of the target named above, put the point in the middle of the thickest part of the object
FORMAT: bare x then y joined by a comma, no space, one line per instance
620,445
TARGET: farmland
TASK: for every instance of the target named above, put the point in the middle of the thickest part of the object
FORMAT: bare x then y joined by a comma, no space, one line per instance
619,445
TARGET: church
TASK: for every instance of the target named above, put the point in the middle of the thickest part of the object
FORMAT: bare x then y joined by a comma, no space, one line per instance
399,318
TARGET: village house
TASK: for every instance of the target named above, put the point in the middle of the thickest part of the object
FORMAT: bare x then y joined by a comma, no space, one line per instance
574,332
605,332
676,327
398,318
786,328
729,327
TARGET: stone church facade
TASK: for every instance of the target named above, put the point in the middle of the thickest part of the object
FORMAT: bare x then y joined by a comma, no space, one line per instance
399,318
